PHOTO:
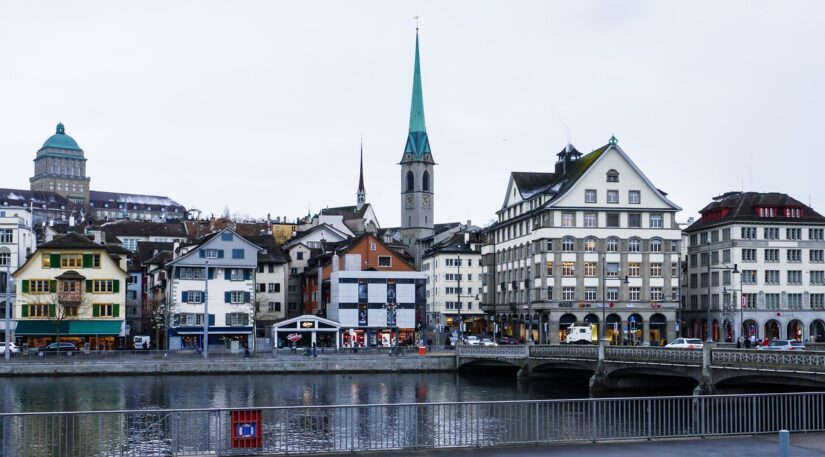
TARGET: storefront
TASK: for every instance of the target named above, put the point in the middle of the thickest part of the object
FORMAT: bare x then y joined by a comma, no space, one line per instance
86,334
306,331
234,339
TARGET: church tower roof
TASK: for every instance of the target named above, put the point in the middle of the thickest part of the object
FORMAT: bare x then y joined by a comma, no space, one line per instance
418,144
362,193
60,140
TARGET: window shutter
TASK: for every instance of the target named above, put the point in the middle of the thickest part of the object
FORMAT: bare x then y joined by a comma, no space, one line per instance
247,275
227,320
115,310
52,286
116,286
54,260
95,310
24,311
246,297
226,297
210,273
211,320
87,261
177,272
220,253
227,274
245,320
201,253
175,320
88,285
184,297
25,286
52,310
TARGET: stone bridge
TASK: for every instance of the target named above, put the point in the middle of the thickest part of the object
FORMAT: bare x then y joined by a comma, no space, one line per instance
611,365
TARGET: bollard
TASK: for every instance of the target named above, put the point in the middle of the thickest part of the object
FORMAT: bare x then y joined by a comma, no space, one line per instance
784,443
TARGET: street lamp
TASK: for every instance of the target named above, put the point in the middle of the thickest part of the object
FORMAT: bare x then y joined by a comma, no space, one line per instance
709,323
603,325
206,310
741,327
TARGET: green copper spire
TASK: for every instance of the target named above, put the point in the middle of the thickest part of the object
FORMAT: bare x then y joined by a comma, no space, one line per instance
417,142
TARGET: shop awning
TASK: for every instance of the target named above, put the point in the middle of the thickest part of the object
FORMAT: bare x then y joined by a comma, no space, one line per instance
67,328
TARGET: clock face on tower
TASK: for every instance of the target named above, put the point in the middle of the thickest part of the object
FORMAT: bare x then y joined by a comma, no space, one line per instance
425,201
409,201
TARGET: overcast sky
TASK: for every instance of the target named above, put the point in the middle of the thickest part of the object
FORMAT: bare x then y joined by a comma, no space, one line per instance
259,105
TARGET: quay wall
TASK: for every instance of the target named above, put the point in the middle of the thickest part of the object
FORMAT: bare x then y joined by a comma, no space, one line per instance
273,365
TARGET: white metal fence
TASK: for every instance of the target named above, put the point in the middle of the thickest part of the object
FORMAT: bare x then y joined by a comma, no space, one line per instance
324,429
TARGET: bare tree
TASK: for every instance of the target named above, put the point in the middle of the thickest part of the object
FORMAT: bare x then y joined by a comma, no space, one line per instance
58,306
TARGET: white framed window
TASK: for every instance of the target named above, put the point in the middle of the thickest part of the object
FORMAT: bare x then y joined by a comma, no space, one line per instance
102,286
634,294
385,261
612,176
590,220
612,245
612,196
590,245
568,219
634,197
568,293
656,293
373,246
210,253
655,245
590,195
634,245
568,244
590,294
6,236
236,297
194,296
612,293
656,220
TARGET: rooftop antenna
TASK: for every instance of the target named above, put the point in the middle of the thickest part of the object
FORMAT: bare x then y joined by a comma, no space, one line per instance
416,22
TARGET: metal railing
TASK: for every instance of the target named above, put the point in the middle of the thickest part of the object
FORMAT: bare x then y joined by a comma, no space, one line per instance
648,354
811,360
327,429
565,350
514,351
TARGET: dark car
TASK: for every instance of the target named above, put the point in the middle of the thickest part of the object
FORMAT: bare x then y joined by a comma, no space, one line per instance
65,347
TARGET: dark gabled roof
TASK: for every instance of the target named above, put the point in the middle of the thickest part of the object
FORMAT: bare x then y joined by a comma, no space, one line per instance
117,249
21,197
140,228
160,259
70,275
456,245
70,240
273,254
742,207
139,200
531,184
145,250
348,212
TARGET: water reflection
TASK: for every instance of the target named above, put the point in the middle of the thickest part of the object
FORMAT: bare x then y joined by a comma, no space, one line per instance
177,392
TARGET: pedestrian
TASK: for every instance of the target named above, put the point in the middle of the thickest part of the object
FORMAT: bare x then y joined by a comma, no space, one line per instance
245,351
314,351
747,343
753,340
429,344
739,343
145,345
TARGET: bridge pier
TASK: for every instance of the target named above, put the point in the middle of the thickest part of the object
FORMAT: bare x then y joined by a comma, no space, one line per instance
598,382
705,386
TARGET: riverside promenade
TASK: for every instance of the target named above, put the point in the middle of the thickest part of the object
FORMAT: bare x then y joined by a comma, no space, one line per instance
172,363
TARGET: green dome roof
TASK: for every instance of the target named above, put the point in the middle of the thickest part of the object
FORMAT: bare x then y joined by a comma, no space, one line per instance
61,140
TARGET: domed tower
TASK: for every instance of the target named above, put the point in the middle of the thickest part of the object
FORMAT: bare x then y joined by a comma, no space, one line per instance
417,178
61,167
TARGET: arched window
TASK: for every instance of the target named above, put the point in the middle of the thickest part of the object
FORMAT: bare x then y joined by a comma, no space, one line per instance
612,245
590,245
568,244
612,176
655,245
410,181
425,181
634,245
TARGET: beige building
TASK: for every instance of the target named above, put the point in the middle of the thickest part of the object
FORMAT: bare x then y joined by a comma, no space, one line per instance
73,289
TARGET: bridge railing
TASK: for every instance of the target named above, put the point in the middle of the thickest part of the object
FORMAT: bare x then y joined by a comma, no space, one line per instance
565,351
809,360
510,352
653,354
360,428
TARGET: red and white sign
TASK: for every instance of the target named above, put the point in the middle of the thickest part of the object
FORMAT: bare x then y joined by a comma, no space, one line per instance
294,337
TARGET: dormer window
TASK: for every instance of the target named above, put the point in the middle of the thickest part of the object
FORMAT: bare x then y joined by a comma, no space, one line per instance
612,176
766,211
793,212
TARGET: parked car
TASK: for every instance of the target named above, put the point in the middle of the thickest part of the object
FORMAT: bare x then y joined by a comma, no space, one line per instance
472,340
507,340
66,348
488,342
784,345
13,349
686,343
579,334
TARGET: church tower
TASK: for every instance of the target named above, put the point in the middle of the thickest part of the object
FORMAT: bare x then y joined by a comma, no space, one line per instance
362,193
60,167
417,178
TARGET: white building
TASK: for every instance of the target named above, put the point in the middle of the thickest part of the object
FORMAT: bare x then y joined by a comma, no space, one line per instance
17,242
454,273
776,245
593,241
228,288
372,307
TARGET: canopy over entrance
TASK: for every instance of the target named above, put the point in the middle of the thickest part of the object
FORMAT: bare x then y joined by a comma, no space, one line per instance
68,328
307,324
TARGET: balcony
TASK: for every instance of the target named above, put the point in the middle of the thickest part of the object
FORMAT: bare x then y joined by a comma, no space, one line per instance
69,297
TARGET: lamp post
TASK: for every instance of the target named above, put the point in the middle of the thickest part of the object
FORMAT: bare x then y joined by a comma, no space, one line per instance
7,330
741,327
709,322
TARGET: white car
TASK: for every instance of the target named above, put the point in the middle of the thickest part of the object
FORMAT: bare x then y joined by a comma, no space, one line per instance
783,345
472,340
12,348
686,343
488,342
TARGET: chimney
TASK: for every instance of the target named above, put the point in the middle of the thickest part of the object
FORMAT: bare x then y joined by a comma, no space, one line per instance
335,261
467,237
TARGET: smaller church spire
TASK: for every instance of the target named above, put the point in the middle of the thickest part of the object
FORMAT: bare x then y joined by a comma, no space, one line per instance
362,193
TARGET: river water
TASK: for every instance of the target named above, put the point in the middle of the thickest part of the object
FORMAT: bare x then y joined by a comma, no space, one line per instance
101,393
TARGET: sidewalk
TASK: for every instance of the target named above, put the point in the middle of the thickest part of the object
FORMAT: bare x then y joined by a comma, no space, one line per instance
802,445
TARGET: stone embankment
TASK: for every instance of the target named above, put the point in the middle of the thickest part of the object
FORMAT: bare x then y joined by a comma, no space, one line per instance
257,365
